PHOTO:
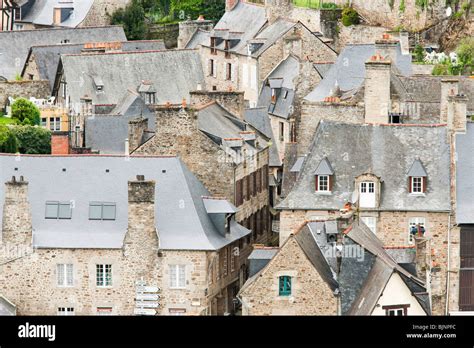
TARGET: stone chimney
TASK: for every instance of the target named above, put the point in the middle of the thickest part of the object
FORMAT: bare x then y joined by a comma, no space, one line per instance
278,8
377,89
141,240
231,100
189,27
136,130
16,223
230,4
422,262
457,112
387,47
449,87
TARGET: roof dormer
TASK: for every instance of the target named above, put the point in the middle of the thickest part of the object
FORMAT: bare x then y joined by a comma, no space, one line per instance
221,212
324,177
417,178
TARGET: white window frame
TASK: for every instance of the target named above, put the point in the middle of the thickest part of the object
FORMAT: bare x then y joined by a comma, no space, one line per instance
65,275
177,276
320,182
177,311
103,282
65,311
395,311
371,222
413,221
419,185
104,311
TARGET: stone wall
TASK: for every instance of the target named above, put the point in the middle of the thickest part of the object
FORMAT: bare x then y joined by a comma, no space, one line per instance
358,34
189,27
23,89
310,294
313,112
99,14
232,101
167,32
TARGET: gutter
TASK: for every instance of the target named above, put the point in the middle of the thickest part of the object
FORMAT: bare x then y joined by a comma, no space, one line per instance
446,312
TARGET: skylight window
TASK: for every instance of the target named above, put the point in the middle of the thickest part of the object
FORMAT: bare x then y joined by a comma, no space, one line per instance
58,210
102,211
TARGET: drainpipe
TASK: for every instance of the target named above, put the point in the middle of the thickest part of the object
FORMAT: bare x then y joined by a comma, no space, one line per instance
448,270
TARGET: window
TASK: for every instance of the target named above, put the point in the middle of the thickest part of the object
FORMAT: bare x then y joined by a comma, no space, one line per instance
284,288
226,48
213,45
233,256
58,210
416,226
212,68
323,183
43,122
177,276
396,310
65,311
417,184
224,261
55,123
367,194
31,77
228,71
371,222
104,311
282,131
104,275
177,311
65,274
102,211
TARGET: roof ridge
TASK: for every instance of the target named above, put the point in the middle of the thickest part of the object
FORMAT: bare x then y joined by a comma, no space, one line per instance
127,52
61,28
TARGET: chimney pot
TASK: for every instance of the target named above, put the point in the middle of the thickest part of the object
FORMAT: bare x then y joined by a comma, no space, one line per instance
184,103
21,178
13,178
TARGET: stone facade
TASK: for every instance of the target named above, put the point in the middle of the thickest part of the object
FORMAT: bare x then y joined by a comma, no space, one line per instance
99,14
23,89
310,294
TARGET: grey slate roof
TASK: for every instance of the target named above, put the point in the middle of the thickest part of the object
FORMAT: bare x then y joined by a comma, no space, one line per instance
41,13
288,70
174,73
349,70
47,57
14,45
324,168
298,164
263,254
464,170
107,133
182,222
6,307
387,151
218,206
417,169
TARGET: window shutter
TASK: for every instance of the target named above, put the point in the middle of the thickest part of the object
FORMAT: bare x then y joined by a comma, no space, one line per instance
60,270
69,276
238,193
424,184
409,184
209,68
316,182
248,187
173,276
330,181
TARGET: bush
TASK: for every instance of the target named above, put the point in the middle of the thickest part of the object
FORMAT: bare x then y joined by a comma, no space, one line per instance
465,54
419,54
210,9
25,111
440,69
329,5
8,141
132,18
349,16
32,139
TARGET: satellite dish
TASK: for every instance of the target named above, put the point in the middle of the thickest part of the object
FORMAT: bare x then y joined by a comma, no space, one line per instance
355,197
449,11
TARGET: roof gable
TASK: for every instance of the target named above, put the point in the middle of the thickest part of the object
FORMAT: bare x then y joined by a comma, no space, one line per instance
417,169
324,168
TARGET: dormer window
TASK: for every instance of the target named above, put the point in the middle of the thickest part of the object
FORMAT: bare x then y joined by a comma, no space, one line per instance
213,45
226,48
368,187
417,178
324,177
147,92
99,84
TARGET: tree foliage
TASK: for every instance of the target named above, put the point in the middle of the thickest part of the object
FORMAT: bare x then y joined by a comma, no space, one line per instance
132,18
25,112
419,53
32,139
349,16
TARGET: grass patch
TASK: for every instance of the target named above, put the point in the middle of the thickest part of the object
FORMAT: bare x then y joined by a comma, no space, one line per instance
6,120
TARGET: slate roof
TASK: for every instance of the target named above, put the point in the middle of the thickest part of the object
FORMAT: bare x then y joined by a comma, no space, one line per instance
387,151
174,73
41,12
107,133
6,307
417,169
47,57
464,170
181,218
14,45
288,70
349,70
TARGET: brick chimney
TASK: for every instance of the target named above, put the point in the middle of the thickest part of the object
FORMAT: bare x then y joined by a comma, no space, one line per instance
136,129
377,89
16,223
231,100
422,245
457,112
449,87
60,143
230,4
141,240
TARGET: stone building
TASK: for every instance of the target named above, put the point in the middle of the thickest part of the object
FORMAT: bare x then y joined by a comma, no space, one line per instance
398,177
15,45
220,148
82,232
247,44
330,268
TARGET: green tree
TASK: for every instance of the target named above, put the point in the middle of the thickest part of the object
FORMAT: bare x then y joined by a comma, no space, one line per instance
349,16
132,18
465,53
23,109
210,9
32,139
419,53
11,144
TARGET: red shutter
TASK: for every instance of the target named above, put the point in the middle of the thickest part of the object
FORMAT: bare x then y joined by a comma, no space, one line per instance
409,184
316,183
330,180
424,184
